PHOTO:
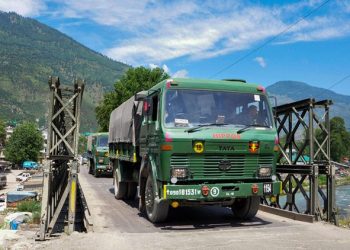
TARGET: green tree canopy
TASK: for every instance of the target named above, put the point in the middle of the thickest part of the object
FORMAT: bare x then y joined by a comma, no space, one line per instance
134,80
24,144
2,133
340,138
82,144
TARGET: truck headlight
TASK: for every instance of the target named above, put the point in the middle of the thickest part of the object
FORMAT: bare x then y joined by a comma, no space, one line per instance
265,171
179,172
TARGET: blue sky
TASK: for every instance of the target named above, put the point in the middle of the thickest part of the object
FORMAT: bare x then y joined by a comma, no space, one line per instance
201,38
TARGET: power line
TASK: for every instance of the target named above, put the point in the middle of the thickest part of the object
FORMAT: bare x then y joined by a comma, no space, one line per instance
330,87
337,82
270,40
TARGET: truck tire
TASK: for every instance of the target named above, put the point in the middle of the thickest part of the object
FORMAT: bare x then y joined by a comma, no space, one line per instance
156,211
132,190
120,188
90,167
246,208
95,173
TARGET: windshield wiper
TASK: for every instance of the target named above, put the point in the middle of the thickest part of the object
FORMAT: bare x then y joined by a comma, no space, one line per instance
204,125
251,126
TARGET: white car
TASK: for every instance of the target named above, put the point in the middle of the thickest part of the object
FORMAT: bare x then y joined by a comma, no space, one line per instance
23,177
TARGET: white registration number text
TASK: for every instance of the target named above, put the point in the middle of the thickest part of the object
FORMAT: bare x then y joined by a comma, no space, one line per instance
187,192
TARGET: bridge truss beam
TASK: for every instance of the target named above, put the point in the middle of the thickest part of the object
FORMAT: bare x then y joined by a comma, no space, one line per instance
61,168
304,158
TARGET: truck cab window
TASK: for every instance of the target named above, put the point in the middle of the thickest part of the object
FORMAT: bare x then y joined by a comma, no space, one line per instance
191,108
154,107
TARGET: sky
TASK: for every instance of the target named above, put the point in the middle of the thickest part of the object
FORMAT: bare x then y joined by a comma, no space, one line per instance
260,41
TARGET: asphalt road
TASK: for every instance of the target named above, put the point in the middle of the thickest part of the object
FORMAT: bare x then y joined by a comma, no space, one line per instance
124,216
118,225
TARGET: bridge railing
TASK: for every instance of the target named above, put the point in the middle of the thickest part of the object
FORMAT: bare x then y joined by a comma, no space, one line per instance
303,163
60,179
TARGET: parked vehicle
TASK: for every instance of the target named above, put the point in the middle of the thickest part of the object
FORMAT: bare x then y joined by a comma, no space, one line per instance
97,153
23,177
189,142
3,180
30,165
5,166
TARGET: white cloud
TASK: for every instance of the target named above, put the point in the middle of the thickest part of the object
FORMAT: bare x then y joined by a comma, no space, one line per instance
166,69
157,31
261,61
180,74
153,66
127,15
23,7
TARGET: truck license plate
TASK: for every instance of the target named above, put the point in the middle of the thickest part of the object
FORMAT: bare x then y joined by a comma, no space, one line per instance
267,188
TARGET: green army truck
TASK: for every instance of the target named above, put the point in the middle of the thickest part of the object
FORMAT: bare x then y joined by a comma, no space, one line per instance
189,142
97,153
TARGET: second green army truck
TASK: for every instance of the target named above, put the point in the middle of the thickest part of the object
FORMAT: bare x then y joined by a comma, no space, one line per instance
190,142
97,153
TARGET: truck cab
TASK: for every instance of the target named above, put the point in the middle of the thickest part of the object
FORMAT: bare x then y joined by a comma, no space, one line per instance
97,153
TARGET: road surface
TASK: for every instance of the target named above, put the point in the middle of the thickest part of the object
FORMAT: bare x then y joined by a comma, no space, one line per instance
118,225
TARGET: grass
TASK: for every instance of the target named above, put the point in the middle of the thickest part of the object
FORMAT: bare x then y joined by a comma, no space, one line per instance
343,181
344,222
31,206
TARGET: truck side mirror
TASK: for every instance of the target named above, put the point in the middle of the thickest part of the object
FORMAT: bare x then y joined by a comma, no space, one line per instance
273,100
141,96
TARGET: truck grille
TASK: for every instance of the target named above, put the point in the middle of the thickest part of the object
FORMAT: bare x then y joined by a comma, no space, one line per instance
207,167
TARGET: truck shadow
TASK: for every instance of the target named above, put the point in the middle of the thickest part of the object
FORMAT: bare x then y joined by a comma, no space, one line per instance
207,217
197,218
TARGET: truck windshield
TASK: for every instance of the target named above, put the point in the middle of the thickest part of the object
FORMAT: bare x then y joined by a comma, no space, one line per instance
192,108
103,141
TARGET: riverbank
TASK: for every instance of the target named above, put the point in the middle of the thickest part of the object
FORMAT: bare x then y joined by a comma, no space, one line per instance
342,181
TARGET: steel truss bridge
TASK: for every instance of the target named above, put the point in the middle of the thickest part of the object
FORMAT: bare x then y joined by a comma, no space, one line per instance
303,128
63,204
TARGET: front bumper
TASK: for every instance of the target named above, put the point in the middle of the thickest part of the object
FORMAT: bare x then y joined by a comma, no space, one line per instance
104,169
221,191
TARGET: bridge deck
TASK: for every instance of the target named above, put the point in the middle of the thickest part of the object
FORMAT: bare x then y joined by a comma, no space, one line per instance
117,223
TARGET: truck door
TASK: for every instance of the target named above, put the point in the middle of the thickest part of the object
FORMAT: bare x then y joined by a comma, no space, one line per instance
149,132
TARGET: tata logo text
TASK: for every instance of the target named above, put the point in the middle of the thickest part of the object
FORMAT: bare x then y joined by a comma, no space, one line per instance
226,148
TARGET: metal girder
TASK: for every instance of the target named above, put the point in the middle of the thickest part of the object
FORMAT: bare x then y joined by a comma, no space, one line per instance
61,169
304,131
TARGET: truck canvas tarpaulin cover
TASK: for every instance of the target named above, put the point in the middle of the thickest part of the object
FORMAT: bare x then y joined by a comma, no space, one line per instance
125,122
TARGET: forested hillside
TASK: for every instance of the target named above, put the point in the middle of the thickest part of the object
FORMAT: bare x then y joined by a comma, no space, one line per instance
290,91
30,52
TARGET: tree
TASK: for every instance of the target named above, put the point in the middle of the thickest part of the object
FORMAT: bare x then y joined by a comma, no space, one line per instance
339,139
82,144
134,80
2,134
24,144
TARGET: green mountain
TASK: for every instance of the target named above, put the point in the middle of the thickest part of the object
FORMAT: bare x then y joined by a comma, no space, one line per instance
30,52
290,91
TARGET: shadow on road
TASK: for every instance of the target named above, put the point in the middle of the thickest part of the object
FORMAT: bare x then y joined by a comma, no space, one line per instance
196,218
207,217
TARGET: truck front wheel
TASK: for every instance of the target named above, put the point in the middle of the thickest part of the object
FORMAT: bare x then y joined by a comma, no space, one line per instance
156,210
120,188
246,208
132,190
90,166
